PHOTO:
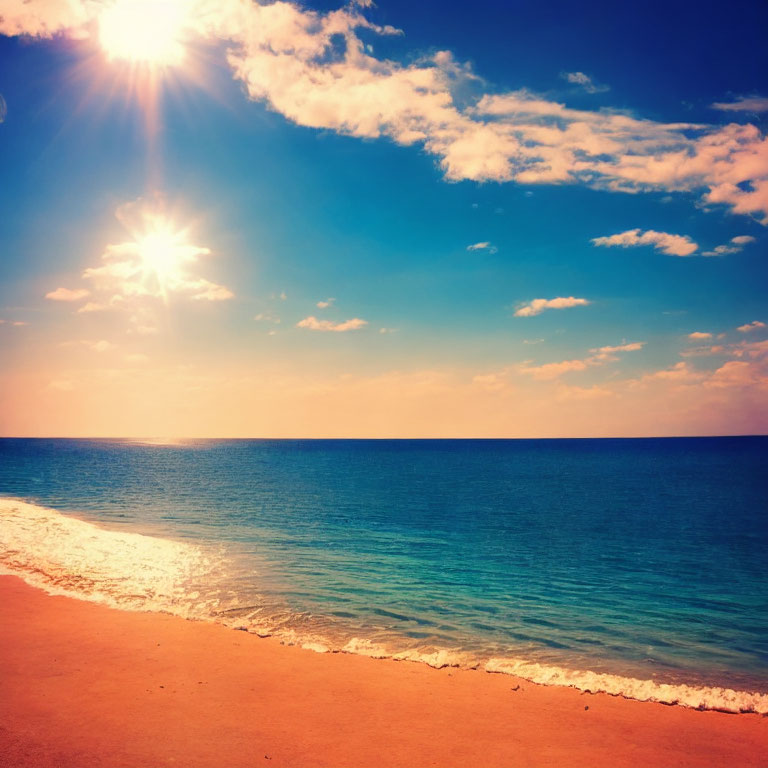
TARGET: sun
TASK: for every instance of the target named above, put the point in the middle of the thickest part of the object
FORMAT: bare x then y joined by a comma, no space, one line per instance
163,254
149,32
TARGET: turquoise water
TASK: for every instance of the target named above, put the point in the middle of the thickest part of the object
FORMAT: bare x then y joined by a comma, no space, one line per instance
643,558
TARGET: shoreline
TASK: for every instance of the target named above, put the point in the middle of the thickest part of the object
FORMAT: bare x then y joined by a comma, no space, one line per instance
71,556
84,685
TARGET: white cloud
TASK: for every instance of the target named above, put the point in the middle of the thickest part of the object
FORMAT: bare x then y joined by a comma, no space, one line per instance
743,104
484,246
598,356
537,306
608,353
753,326
680,373
492,382
585,81
673,245
582,393
550,371
313,324
47,18
92,306
699,335
735,245
267,317
325,303
67,294
315,69
631,347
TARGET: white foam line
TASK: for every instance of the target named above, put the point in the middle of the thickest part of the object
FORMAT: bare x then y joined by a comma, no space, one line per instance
721,699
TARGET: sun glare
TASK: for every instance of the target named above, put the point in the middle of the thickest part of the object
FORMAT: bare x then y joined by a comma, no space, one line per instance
164,253
149,32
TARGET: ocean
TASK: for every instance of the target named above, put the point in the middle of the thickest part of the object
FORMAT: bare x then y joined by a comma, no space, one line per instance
633,566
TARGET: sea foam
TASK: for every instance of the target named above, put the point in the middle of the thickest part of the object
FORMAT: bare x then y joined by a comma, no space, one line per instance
64,555
695,697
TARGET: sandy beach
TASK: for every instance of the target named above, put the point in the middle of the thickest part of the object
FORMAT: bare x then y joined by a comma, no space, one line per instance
84,685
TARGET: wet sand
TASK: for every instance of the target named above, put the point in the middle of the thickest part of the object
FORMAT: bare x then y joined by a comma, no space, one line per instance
83,685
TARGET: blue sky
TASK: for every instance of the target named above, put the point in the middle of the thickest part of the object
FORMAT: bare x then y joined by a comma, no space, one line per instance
433,182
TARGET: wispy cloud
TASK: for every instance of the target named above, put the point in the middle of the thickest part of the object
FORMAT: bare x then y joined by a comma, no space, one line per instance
67,294
753,326
754,104
266,317
582,393
585,81
608,353
484,246
550,371
699,335
100,345
673,245
598,356
325,303
735,245
316,70
537,306
313,324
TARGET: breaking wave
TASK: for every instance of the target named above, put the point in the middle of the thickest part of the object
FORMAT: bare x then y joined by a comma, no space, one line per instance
64,555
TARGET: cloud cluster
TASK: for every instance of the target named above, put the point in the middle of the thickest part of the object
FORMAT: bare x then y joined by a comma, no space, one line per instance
537,306
673,245
735,245
316,70
313,324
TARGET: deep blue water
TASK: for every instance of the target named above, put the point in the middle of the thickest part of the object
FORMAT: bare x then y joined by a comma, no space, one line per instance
639,557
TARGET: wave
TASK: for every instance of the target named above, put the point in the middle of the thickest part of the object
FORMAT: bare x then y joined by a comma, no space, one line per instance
64,555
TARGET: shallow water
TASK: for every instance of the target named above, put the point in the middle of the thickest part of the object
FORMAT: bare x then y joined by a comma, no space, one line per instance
631,559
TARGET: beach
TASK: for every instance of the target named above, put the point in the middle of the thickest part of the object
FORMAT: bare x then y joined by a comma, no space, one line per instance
86,685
